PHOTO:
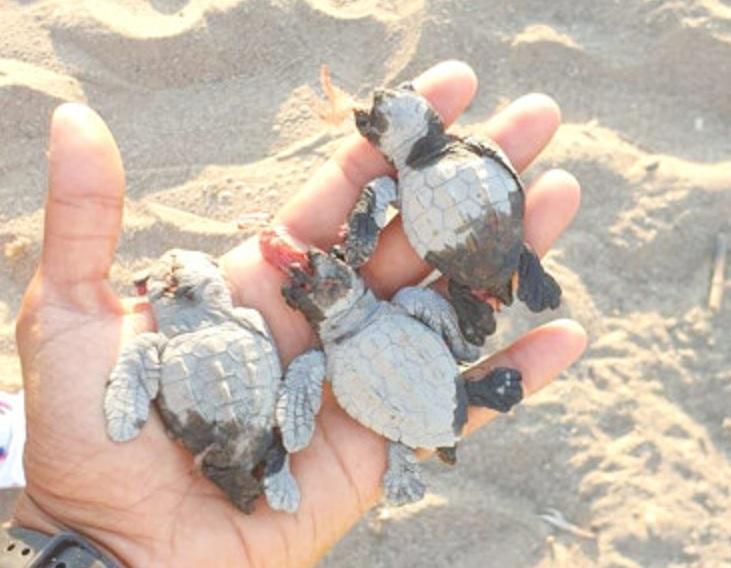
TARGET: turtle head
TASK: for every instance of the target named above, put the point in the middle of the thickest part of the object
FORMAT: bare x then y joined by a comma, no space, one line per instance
185,288
320,285
323,288
397,119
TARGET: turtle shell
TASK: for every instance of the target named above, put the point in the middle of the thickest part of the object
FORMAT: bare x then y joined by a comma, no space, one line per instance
219,381
397,377
463,214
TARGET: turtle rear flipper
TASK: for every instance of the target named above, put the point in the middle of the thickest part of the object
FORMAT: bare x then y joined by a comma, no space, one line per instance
500,389
280,487
133,383
536,288
476,318
401,482
448,454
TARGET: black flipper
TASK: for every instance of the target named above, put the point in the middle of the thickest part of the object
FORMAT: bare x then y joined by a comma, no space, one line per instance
536,288
448,454
476,318
363,230
500,389
367,219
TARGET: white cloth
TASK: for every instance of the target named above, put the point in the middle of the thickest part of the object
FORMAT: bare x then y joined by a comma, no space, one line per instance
12,439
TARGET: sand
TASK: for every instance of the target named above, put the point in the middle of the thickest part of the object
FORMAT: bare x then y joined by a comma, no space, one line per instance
212,105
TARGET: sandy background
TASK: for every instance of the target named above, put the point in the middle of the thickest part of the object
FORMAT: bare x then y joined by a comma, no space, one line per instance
211,103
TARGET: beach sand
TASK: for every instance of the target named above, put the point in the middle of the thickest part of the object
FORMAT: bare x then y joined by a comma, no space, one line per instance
212,106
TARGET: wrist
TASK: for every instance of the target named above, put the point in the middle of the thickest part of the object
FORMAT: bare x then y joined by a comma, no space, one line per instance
29,526
25,548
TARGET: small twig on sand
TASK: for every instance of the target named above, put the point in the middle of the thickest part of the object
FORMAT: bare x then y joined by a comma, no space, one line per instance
338,105
718,278
555,518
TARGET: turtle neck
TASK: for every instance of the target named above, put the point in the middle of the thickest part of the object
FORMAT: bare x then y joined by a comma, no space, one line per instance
350,321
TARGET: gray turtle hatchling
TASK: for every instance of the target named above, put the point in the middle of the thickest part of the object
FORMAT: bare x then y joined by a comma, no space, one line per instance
214,373
391,364
461,203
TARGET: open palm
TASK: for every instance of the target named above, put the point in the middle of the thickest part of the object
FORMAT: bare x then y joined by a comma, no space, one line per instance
143,501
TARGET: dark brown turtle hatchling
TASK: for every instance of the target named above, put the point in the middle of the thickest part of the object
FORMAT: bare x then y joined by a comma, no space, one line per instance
461,203
392,365
215,375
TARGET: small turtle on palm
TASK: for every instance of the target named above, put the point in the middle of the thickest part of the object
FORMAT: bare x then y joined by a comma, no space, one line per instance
462,205
392,365
214,373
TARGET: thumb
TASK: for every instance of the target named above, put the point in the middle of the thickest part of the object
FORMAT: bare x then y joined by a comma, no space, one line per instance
85,198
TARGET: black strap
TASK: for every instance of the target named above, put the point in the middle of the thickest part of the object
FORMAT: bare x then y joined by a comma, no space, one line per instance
24,548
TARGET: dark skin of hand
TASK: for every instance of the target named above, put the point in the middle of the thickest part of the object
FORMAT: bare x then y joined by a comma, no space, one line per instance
143,501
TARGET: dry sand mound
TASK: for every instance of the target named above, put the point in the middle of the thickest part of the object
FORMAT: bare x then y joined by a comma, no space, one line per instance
211,103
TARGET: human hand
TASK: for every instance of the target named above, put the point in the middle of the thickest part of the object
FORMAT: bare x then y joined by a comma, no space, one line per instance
143,500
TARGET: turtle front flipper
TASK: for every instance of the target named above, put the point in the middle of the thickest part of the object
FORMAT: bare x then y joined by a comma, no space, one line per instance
299,400
402,482
536,288
367,219
430,308
132,384
476,318
280,487
500,389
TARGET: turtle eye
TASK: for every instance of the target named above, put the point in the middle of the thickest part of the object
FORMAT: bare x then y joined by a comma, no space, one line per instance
338,252
362,119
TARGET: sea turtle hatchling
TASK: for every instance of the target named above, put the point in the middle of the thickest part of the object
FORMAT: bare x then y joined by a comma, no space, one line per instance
462,205
391,364
214,373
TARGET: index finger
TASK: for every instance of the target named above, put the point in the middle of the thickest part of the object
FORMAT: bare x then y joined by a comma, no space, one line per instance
314,215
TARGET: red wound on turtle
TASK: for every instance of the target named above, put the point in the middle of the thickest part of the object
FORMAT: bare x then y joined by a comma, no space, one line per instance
486,297
141,288
282,250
